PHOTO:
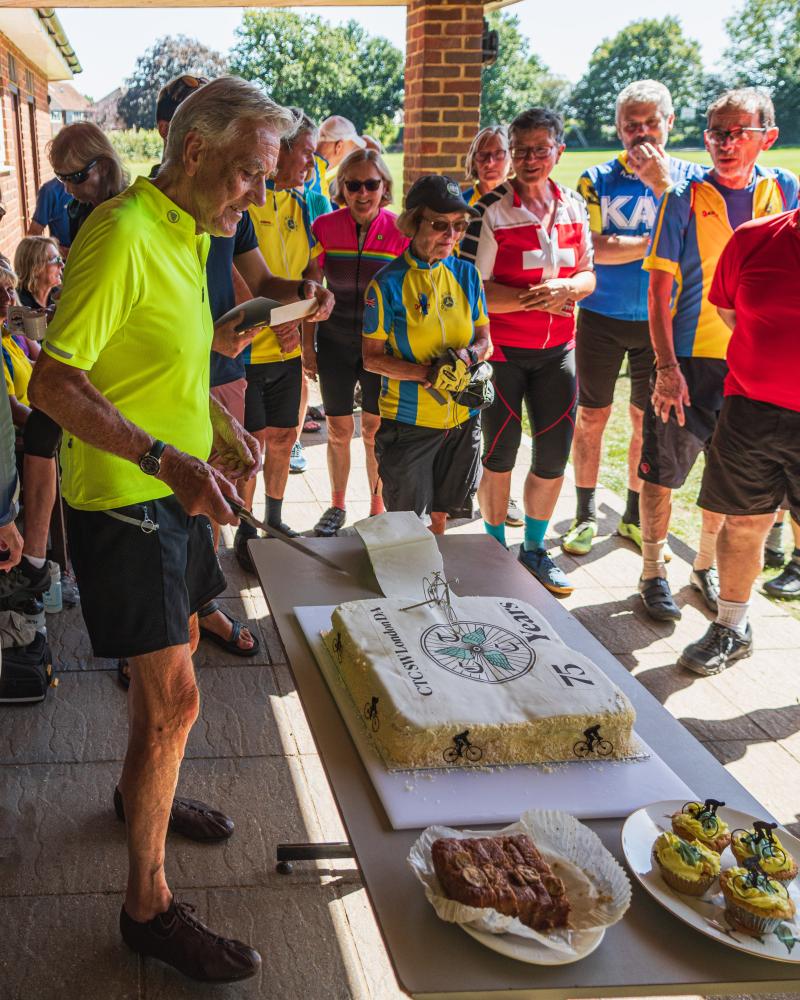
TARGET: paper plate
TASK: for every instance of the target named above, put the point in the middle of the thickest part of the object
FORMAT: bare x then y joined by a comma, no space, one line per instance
598,889
707,913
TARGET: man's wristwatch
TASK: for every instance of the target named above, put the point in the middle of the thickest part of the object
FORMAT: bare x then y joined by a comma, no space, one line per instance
301,289
150,462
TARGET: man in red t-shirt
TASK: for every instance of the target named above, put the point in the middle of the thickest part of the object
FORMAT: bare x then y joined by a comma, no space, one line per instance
754,459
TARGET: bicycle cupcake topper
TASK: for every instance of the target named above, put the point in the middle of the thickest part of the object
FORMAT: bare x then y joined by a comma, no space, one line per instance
705,813
761,841
757,878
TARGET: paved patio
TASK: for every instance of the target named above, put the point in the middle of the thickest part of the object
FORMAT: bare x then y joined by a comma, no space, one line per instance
62,851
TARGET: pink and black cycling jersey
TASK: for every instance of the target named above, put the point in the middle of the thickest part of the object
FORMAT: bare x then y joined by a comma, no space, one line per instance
348,268
511,246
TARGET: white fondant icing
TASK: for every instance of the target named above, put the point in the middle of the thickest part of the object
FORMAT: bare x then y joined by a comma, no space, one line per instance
500,672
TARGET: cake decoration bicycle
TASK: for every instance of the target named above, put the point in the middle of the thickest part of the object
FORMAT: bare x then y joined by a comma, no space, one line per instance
462,749
593,743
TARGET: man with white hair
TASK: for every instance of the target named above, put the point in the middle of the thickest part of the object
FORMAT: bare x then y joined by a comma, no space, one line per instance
125,371
622,195
337,138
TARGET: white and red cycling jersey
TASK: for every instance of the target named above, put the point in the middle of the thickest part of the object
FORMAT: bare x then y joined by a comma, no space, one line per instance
509,244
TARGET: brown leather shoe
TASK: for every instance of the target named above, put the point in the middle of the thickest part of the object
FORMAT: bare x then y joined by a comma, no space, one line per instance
193,819
178,938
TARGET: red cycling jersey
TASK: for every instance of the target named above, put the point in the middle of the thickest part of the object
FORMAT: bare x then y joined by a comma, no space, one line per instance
510,245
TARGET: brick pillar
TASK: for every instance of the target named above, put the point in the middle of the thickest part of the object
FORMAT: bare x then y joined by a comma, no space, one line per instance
443,85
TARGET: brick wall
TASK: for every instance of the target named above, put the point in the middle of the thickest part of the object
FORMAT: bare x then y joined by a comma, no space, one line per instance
33,147
443,85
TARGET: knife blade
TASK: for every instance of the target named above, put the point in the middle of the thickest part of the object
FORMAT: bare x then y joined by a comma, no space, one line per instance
246,515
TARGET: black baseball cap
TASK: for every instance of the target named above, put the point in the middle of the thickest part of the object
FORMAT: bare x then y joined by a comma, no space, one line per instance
173,94
439,193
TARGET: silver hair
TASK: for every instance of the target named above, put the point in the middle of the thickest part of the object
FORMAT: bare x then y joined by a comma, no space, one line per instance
751,100
645,92
470,172
217,111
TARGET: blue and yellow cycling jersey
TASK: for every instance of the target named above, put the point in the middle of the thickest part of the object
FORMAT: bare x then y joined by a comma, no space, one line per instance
421,310
691,231
471,194
283,231
319,180
620,204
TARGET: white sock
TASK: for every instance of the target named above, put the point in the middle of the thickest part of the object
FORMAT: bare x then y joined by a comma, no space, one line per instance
733,614
654,565
707,552
37,561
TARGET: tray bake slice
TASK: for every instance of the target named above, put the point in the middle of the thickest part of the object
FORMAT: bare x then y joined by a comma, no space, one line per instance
506,873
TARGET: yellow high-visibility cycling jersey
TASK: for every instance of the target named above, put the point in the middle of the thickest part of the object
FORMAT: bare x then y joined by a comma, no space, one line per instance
134,315
283,230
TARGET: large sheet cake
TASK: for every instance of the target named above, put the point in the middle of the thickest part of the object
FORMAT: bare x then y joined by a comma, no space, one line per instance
484,680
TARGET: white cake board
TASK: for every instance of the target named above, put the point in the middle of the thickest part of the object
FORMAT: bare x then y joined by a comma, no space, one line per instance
413,799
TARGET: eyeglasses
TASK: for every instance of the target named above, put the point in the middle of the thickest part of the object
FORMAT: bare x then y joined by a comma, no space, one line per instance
56,260
496,154
719,136
77,176
444,226
355,186
536,152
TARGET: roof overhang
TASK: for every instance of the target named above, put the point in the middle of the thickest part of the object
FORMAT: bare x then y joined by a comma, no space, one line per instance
37,33
489,4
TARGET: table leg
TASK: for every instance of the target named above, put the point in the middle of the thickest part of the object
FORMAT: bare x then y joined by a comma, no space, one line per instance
287,853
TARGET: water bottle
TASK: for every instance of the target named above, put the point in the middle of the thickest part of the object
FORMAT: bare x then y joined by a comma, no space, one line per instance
52,597
33,613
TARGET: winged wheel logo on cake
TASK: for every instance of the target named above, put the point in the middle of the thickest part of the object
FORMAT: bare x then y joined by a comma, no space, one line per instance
478,652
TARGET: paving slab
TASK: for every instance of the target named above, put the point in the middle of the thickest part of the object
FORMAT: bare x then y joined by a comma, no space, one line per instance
65,948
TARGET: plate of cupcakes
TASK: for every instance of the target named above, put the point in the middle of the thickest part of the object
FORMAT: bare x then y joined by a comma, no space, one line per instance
730,875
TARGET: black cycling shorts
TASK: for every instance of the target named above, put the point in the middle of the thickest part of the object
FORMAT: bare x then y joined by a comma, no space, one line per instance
545,381
425,469
669,451
600,348
769,437
340,366
272,398
139,589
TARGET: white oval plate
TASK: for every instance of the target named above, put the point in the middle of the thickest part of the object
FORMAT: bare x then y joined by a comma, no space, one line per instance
706,913
527,950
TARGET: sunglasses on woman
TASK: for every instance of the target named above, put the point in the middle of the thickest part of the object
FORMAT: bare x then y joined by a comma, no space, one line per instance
443,226
77,176
355,186
55,260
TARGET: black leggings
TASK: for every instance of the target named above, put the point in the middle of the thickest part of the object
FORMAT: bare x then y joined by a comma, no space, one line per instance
545,380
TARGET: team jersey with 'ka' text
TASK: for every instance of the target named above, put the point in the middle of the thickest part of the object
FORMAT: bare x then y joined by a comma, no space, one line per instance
511,246
620,204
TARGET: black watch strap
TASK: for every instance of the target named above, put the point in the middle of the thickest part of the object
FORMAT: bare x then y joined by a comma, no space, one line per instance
301,289
150,462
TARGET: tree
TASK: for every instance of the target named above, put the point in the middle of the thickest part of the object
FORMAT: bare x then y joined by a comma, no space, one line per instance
169,57
765,52
304,61
646,49
519,79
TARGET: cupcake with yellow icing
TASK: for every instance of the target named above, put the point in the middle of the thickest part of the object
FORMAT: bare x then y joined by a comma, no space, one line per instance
689,868
700,821
763,845
755,902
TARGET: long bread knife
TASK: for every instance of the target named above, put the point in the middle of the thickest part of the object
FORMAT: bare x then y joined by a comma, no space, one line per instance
251,519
